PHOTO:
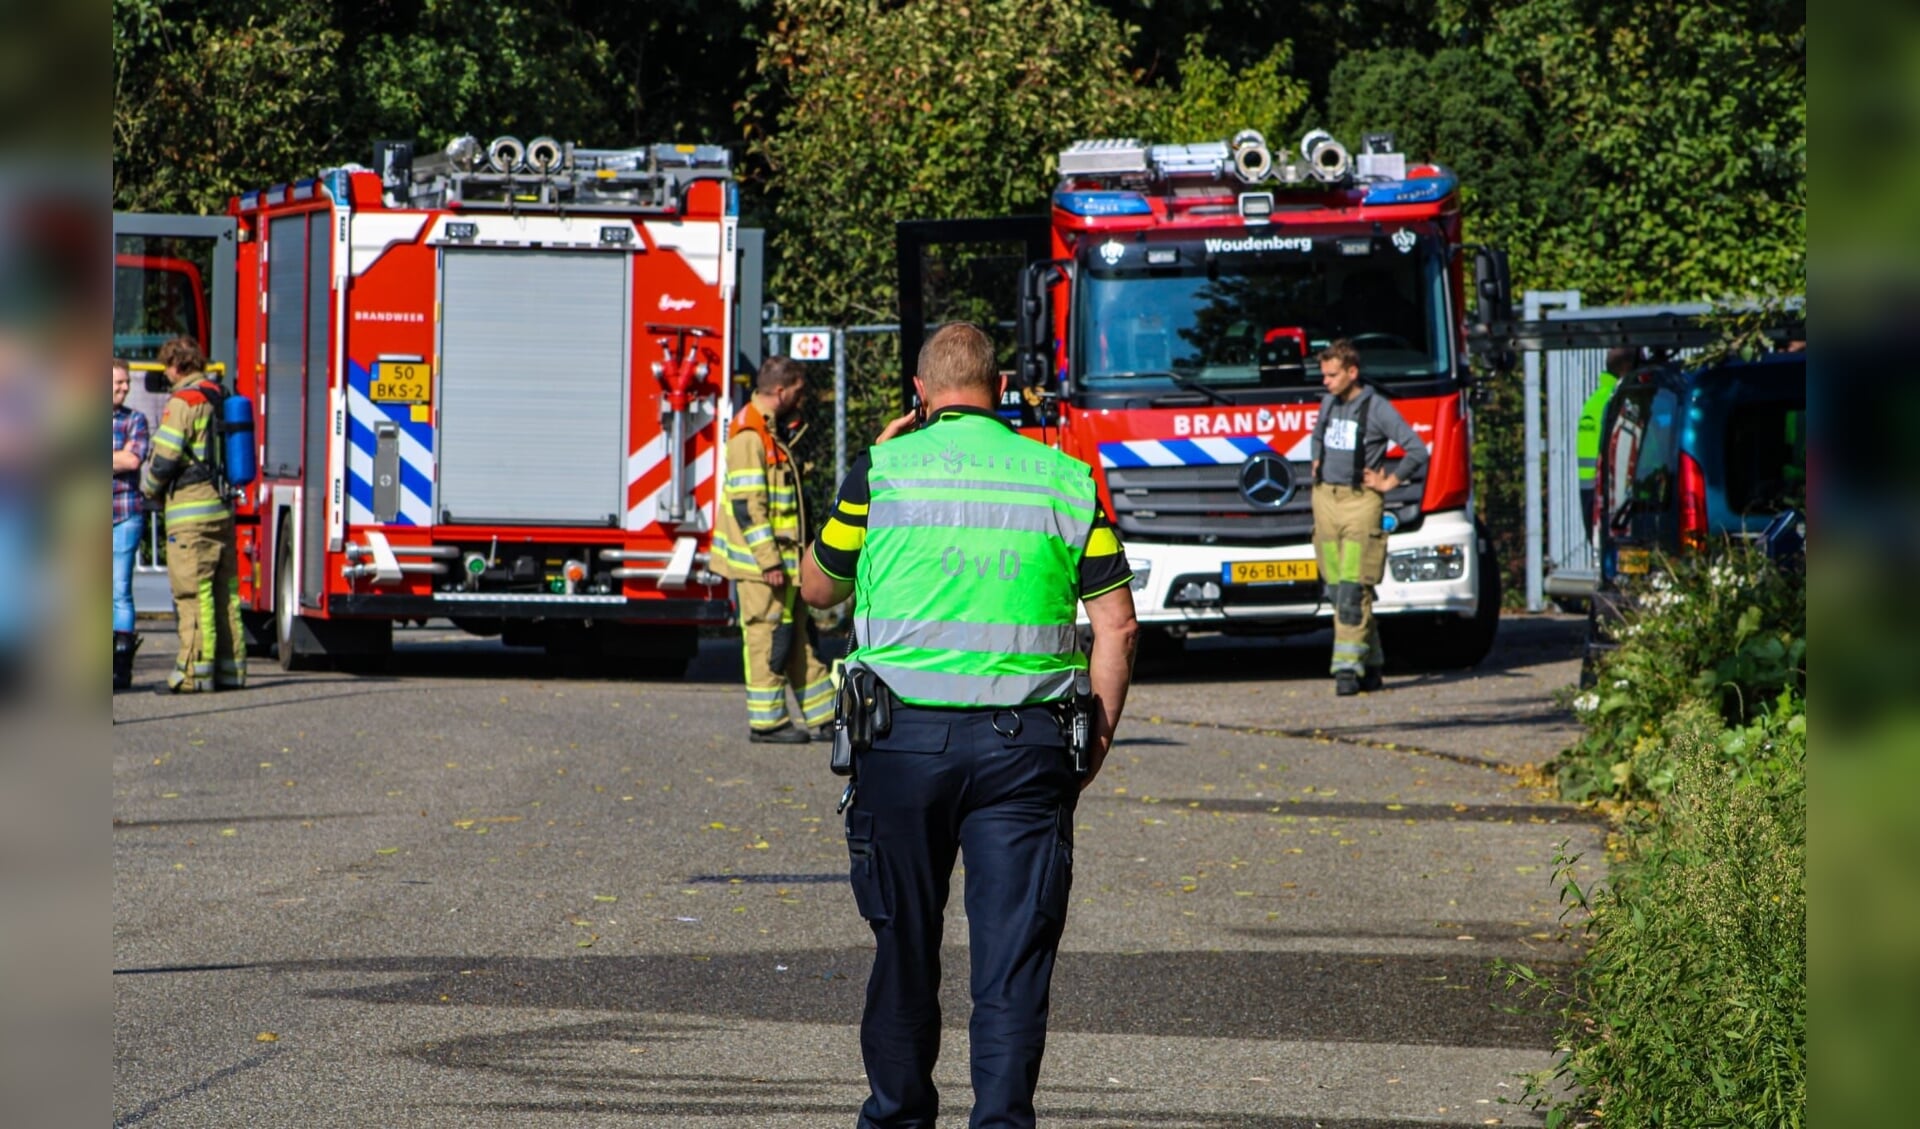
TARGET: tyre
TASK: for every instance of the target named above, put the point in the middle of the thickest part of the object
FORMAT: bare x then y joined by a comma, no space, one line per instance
292,642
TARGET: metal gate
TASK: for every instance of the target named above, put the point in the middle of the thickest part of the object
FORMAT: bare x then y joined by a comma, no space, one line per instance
532,398
172,277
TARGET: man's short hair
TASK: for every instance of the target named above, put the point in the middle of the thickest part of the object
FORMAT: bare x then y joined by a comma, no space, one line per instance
779,372
1343,352
958,356
121,364
182,354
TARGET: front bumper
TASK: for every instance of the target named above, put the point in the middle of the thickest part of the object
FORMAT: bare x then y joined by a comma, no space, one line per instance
1168,567
506,605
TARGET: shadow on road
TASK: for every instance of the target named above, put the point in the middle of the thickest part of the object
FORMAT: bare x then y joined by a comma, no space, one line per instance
445,652
1309,996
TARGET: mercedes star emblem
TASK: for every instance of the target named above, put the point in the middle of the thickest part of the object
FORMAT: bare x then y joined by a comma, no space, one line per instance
1266,481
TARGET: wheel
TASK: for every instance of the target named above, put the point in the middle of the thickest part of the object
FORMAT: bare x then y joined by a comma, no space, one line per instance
302,643
290,639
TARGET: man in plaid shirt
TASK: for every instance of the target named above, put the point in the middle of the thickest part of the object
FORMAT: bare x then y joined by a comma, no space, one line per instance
130,447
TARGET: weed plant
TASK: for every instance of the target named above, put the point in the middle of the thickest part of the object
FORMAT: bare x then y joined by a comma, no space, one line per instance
1690,1006
1728,632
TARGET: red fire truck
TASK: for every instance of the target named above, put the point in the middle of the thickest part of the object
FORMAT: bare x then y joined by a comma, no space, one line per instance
489,385
1169,316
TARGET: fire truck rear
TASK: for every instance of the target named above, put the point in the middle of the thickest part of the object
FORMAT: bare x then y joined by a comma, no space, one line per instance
1173,340
489,384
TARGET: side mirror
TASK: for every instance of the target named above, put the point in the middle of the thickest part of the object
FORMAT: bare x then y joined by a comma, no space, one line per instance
1490,335
1033,366
1492,286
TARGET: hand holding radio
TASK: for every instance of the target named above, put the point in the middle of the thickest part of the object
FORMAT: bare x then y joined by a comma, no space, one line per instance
901,425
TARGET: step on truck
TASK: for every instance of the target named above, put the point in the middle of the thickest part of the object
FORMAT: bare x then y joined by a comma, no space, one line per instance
1170,312
490,387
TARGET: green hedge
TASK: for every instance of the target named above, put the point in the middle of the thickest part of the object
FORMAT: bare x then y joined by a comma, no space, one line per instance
1690,1006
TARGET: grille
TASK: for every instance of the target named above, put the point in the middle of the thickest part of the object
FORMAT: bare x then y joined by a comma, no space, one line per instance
1162,503
1203,504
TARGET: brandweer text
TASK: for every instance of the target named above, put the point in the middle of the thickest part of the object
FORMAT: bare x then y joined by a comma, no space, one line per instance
1262,422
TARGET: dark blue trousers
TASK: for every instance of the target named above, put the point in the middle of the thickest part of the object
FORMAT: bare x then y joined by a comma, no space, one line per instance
942,782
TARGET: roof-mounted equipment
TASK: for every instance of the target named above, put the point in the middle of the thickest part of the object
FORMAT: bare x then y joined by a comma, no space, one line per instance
549,175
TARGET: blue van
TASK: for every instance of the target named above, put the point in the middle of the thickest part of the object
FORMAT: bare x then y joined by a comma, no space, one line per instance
1689,457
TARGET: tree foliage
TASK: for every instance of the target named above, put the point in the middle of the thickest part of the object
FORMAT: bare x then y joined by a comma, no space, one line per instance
870,112
1689,121
1213,100
485,67
233,97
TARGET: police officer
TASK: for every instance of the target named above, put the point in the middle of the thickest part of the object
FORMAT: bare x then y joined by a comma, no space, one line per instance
1593,414
202,561
967,549
1350,442
758,545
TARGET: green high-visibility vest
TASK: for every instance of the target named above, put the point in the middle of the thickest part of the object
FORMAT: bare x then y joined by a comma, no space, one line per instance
1592,414
970,573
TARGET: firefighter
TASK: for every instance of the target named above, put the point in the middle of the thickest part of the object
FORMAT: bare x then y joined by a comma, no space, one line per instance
758,545
1350,442
1593,414
201,557
968,548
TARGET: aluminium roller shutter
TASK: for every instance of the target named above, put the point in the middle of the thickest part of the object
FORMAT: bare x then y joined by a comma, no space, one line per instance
532,387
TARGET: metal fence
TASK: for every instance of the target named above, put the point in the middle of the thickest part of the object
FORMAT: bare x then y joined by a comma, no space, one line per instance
777,337
1561,557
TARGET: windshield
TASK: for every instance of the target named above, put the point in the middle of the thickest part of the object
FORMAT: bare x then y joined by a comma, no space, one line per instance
1251,313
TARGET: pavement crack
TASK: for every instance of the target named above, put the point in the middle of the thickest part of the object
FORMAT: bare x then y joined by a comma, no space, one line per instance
1317,734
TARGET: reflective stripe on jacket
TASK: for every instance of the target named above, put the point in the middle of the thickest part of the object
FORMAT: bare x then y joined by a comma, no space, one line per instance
760,523
969,576
185,440
1587,440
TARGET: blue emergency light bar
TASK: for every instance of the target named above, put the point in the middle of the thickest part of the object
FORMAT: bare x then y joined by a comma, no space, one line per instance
1418,190
1087,203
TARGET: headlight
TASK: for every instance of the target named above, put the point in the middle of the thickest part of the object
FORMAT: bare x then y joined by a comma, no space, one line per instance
1142,570
1437,562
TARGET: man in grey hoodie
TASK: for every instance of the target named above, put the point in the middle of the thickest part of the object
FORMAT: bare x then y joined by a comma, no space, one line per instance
1350,443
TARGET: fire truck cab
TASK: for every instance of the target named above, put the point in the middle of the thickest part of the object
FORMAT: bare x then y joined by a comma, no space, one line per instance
490,386
1169,337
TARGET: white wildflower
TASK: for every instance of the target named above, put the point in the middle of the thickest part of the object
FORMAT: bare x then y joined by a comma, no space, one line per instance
1586,703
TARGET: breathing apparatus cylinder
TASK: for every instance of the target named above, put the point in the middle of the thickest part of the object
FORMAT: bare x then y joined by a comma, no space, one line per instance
236,437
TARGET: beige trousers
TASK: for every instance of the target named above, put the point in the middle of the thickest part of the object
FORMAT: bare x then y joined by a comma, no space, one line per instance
1353,558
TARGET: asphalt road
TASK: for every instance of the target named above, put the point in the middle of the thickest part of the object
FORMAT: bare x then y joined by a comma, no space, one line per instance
472,892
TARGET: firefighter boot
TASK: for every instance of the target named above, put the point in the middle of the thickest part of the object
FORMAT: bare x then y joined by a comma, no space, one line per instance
1346,684
125,643
788,734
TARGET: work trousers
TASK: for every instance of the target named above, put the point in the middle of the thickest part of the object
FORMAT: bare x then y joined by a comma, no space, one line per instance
1353,558
126,547
942,782
768,623
202,564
